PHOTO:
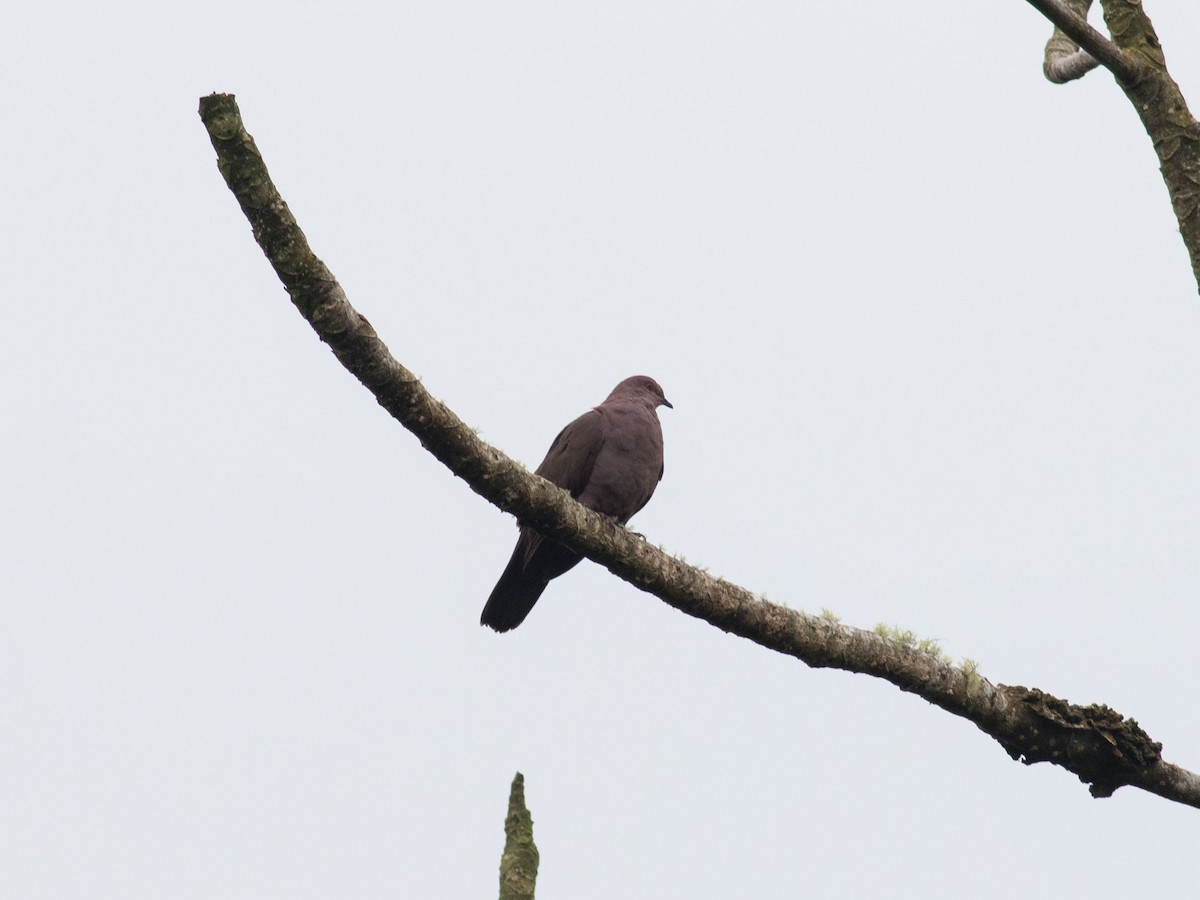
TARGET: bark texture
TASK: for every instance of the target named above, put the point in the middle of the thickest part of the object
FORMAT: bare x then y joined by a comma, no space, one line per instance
519,864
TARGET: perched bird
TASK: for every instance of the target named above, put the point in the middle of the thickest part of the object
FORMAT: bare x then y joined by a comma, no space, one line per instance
611,460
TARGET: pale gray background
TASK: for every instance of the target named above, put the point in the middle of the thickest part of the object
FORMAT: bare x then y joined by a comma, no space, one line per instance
934,348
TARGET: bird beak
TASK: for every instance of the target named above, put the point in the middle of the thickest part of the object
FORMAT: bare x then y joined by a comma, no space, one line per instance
667,403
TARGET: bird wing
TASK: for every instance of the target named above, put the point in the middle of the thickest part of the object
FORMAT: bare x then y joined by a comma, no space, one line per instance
569,463
572,456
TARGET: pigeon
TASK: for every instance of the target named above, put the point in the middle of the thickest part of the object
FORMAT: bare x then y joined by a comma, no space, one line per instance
611,460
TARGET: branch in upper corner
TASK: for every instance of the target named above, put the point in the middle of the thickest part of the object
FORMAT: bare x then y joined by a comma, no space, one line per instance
1102,748
1136,58
1164,112
1080,36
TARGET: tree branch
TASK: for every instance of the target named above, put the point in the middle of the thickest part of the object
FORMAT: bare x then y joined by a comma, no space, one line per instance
1164,114
1136,58
519,862
1064,60
1101,747
1074,26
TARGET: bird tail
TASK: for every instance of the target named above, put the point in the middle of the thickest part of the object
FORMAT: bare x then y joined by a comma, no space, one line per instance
512,598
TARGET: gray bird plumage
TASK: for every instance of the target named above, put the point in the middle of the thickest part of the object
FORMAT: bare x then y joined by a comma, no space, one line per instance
610,459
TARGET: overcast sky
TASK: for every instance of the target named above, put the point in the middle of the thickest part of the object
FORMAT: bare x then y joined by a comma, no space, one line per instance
934,348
